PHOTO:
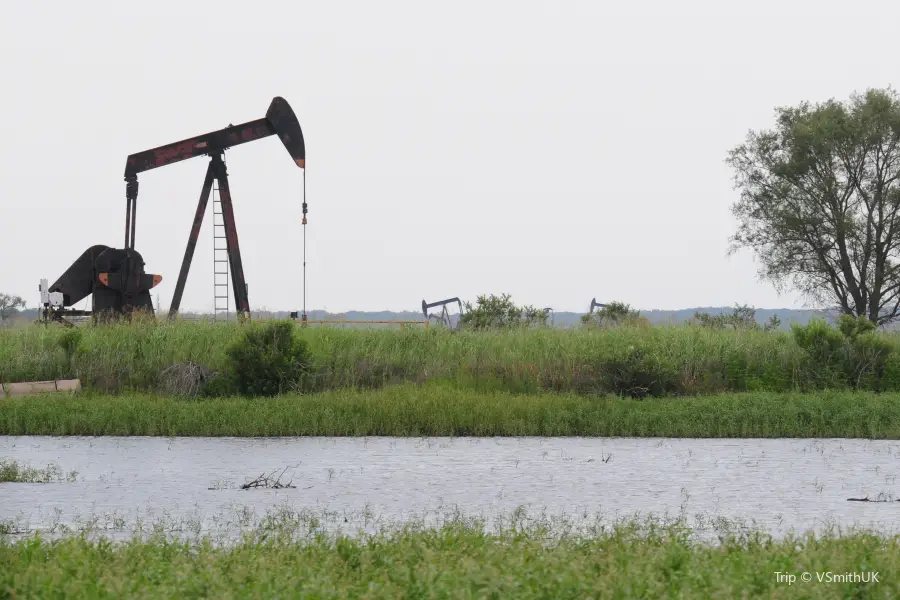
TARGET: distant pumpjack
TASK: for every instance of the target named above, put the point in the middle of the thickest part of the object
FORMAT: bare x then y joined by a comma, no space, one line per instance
594,304
444,316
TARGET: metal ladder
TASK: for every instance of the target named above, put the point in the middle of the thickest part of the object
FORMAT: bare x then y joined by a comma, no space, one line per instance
220,259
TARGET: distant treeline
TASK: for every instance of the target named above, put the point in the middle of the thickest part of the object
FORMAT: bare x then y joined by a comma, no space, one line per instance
559,319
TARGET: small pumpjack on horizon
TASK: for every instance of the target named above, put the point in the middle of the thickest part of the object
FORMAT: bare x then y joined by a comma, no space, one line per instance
116,278
595,304
550,314
444,317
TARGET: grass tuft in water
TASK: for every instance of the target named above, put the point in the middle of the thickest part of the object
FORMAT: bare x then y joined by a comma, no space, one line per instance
13,472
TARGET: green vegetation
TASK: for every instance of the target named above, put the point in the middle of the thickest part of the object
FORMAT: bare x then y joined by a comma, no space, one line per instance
819,200
439,410
614,314
500,312
632,361
742,317
13,472
10,306
267,361
458,560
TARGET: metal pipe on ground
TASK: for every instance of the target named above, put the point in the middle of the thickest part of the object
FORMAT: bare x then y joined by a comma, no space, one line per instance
36,388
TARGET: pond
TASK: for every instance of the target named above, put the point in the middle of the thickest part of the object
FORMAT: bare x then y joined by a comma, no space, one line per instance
775,485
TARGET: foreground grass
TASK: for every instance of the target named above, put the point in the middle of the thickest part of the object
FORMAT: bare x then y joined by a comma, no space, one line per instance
431,410
455,561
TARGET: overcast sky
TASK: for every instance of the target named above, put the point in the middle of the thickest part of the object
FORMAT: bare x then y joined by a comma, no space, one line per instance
556,151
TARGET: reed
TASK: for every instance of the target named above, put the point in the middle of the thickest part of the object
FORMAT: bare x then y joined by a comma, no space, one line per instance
442,410
654,361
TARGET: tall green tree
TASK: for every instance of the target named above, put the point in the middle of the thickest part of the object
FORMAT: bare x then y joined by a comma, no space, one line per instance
819,200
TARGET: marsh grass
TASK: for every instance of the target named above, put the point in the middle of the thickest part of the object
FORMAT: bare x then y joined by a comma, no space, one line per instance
14,472
456,560
682,360
633,361
440,410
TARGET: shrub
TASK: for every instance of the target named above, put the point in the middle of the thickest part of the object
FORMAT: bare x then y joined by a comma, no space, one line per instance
500,312
268,360
742,317
614,314
637,373
186,379
850,354
69,342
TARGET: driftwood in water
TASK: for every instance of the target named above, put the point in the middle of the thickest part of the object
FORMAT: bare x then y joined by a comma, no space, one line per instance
867,499
270,481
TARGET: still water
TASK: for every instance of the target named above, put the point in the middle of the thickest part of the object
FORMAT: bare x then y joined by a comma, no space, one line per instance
772,485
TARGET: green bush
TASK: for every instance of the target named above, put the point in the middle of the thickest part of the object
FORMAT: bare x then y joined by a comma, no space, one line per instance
69,342
637,373
615,314
500,312
221,385
852,354
742,317
267,361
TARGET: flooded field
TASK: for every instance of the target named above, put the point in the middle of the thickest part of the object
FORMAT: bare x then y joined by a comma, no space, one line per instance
773,485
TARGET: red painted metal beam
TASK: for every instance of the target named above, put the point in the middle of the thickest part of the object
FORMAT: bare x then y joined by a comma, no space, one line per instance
207,144
280,119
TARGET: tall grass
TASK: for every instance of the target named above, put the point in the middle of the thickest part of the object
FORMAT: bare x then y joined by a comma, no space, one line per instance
455,561
633,361
434,410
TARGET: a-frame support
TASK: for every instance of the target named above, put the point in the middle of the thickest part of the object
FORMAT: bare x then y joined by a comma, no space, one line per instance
279,120
218,172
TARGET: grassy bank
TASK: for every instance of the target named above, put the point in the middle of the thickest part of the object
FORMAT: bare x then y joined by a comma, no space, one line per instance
432,410
653,361
456,561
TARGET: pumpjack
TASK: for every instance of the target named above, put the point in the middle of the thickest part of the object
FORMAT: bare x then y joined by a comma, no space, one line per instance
444,316
548,311
115,277
595,304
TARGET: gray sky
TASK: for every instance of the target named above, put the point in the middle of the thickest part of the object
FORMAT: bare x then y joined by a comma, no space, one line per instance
556,151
